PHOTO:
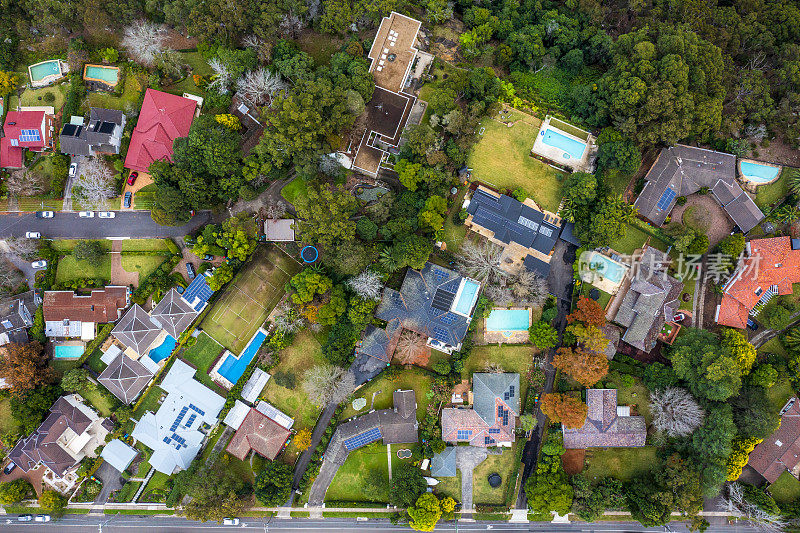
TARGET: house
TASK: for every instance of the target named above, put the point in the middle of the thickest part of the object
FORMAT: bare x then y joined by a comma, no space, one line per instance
493,416
67,314
248,115
136,331
683,170
650,301
102,135
16,315
769,268
27,129
119,455
261,433
607,425
164,117
70,432
436,302
380,343
175,432
780,452
125,378
173,314
380,127
526,233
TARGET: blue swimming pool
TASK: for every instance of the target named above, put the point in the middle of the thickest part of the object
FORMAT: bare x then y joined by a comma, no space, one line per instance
233,367
758,173
68,352
508,320
573,149
466,297
163,350
606,267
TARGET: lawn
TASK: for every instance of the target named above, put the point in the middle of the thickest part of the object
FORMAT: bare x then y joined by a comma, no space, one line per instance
619,463
320,47
35,97
145,245
633,239
158,481
150,402
774,346
786,488
143,264
414,379
688,288
502,158
98,401
452,233
780,393
66,245
202,356
450,486
637,396
504,465
128,491
7,421
70,268
766,195
296,192
350,483
249,298
513,358
128,99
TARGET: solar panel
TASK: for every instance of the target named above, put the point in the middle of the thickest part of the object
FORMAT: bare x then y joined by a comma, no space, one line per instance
547,232
362,439
195,408
166,439
494,431
190,421
505,396
440,334
448,318
666,198
528,223
442,300
439,275
499,410
505,418
511,391
464,434
488,440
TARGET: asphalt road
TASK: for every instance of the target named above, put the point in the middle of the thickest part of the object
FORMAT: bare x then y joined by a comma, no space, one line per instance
132,224
153,524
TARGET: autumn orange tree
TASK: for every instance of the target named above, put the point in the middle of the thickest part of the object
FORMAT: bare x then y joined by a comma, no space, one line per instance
584,366
303,439
589,336
589,312
570,411
24,366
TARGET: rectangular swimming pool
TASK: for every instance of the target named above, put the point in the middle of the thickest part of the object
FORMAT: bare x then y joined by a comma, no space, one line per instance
108,75
68,351
233,368
573,149
508,320
467,295
163,350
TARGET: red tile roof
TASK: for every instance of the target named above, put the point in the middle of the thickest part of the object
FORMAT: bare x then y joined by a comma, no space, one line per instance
770,262
16,121
100,307
260,433
164,117
779,452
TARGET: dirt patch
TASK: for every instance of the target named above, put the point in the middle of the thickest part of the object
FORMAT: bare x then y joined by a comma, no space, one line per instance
177,41
703,213
777,152
573,461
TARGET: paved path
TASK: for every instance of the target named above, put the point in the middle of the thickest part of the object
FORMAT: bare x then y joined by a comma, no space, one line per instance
120,276
112,480
467,458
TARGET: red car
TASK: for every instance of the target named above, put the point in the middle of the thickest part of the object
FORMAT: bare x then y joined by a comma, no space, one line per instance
132,178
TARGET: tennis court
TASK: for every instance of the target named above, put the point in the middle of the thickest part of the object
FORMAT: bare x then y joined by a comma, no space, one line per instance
249,298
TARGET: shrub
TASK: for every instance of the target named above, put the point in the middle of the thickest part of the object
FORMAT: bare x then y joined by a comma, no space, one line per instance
49,97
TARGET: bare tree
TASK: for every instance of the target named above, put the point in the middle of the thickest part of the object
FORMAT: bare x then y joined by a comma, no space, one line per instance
144,41
481,261
288,319
734,503
528,287
493,368
95,185
25,183
498,293
275,209
328,384
260,85
410,346
222,76
675,411
10,276
24,248
368,285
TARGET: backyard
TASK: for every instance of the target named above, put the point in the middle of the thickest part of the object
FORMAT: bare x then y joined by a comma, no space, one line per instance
202,355
502,158
786,488
633,239
620,463
453,233
512,358
296,192
382,387
767,195
249,298
128,99
36,97
7,421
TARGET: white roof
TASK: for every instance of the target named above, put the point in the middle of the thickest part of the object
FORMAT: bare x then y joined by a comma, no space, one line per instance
236,415
118,454
275,414
279,229
87,331
252,389
110,354
148,363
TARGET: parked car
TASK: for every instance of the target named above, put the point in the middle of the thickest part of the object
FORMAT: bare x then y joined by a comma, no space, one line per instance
44,214
42,518
73,169
752,324
127,199
41,263
33,235
9,468
230,521
190,270
24,518
106,214
132,178
679,317
86,214
208,257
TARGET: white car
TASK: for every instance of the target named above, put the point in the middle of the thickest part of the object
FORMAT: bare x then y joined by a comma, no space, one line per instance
86,214
42,518
73,169
33,235
24,518
106,214
44,214
41,263
230,521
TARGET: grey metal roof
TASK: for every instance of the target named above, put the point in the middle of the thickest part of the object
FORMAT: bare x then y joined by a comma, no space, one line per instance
444,464
535,264
135,329
16,313
488,387
102,134
603,427
125,378
118,454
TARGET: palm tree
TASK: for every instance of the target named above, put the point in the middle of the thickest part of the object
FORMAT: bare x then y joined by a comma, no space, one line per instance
388,261
792,339
793,175
409,347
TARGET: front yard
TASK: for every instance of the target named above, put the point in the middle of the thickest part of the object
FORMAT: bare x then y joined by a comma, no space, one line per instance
363,477
506,466
620,463
786,488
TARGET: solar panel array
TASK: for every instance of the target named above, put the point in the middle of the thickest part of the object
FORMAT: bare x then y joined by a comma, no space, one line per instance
494,431
191,420
440,333
512,390
178,419
196,409
181,442
488,440
666,199
547,232
199,289
464,434
448,318
362,439
528,223
28,136
439,275
442,300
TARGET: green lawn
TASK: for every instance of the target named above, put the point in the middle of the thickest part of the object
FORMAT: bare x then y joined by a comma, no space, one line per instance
634,238
774,346
637,396
69,268
688,288
620,463
202,355
128,491
452,233
766,195
414,379
158,481
249,298
350,481
150,402
502,158
129,97
296,192
100,403
450,486
145,245
786,488
35,97
66,245
504,465
143,264
513,358
7,420
780,393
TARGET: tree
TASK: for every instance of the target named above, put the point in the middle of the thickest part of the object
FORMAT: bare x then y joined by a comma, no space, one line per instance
15,491
528,422
410,250
570,411
273,485
222,275
584,366
527,287
431,216
593,499
425,513
542,335
367,285
24,248
481,260
710,371
737,346
24,366
617,152
548,488
735,503
367,229
764,375
408,484
170,207
309,283
675,412
217,492
260,85
144,41
10,276
753,413
589,337
659,376
90,251
30,406
95,185
328,384
52,502
325,218
411,347
303,439
8,82
589,312
75,380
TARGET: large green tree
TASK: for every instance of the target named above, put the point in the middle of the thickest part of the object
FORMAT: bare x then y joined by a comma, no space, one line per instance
274,484
326,218
710,370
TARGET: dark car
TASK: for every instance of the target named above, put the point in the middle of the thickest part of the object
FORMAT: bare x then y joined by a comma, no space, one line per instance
9,468
208,257
751,324
190,270
127,200
132,178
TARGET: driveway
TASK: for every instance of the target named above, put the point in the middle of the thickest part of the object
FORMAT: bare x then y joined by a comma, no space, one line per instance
24,266
120,276
467,458
112,480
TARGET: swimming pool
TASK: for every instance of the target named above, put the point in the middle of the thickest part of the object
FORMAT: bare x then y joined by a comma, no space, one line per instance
758,173
163,350
606,267
508,320
108,75
44,72
233,368
68,351
573,149
465,299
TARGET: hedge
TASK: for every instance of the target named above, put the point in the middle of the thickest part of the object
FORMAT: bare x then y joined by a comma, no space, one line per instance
342,504
91,346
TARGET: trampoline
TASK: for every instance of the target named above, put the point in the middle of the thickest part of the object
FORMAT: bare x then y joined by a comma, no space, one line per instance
495,480
309,254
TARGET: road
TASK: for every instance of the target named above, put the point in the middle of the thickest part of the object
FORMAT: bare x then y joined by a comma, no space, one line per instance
132,224
153,524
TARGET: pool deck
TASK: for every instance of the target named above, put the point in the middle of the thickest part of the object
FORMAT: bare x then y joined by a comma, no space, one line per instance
752,185
555,156
508,337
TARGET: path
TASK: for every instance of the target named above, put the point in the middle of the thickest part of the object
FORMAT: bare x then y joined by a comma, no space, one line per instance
143,485
112,480
120,276
323,422
467,458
